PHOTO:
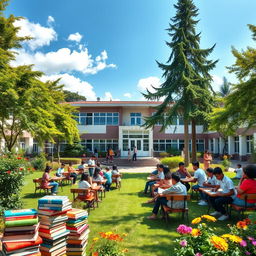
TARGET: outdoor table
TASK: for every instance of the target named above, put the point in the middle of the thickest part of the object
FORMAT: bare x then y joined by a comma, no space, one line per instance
97,189
59,180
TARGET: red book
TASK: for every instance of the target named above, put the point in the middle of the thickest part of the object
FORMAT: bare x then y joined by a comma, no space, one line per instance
12,246
51,212
51,231
21,217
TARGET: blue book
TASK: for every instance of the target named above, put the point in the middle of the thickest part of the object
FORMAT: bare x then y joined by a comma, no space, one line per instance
53,200
72,221
21,212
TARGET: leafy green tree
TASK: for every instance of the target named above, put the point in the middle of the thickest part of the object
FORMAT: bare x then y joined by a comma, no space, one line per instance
225,88
239,107
73,96
186,90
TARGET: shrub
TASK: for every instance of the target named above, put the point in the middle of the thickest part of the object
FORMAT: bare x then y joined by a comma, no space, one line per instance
102,154
75,150
163,154
67,160
199,154
226,163
12,171
174,152
172,162
39,162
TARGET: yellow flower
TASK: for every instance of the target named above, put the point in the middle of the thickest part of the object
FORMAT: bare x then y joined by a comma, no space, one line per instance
124,234
125,250
208,217
196,220
232,238
219,243
95,239
195,232
204,225
108,233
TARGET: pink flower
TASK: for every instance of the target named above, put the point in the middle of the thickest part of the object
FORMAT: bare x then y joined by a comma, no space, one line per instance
198,254
183,243
183,229
243,243
250,238
254,243
247,253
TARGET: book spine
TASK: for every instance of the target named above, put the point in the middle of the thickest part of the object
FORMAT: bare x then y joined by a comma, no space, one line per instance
18,223
21,213
51,201
50,208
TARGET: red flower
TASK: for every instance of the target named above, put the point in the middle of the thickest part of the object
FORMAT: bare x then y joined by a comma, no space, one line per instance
21,168
26,159
28,169
9,172
19,158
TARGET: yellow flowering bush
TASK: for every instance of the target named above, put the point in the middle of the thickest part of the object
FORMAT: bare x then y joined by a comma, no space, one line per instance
201,240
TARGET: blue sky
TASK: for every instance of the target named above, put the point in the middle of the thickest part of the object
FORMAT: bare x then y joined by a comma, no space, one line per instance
108,48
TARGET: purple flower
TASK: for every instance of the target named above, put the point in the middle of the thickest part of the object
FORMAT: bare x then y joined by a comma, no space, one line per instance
183,243
247,253
254,243
243,243
250,238
183,229
198,254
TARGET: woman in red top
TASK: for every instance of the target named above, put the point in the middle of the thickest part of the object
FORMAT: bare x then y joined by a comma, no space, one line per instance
46,181
247,185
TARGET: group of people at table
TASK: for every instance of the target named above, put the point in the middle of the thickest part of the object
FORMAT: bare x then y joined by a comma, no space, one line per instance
91,175
214,187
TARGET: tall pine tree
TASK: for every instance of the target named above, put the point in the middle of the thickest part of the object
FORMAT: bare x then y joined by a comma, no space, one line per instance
186,90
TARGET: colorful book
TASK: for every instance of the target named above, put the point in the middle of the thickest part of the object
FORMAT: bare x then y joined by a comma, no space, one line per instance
51,249
22,228
59,252
21,212
21,217
53,200
18,223
64,208
76,213
30,249
51,212
48,236
21,238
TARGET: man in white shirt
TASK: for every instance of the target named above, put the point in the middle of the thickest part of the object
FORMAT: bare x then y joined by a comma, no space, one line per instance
91,165
239,172
199,177
225,196
60,170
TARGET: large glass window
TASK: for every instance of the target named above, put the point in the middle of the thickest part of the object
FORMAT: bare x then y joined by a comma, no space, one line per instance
97,118
165,145
211,145
136,118
200,145
236,144
249,144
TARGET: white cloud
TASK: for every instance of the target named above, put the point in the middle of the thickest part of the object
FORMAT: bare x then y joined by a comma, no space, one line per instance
75,37
63,60
41,35
50,20
216,83
147,83
108,96
128,95
74,84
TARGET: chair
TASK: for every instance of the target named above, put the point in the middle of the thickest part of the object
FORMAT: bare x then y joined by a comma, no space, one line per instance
38,186
116,178
86,195
242,209
102,190
184,210
68,179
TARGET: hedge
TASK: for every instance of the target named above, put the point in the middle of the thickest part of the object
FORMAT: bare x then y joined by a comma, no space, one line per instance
172,162
67,160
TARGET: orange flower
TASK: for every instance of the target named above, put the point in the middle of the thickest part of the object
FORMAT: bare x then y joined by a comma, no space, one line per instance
219,243
195,232
196,220
125,250
242,225
95,254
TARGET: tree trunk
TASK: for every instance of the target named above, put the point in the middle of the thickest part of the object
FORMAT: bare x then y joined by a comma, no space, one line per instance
193,126
186,143
58,150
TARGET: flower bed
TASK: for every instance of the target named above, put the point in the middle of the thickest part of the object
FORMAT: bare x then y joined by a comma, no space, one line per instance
201,240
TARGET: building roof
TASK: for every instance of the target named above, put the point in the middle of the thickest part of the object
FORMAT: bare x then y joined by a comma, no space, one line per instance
115,103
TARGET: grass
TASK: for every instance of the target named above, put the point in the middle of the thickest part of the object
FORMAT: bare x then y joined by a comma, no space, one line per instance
124,211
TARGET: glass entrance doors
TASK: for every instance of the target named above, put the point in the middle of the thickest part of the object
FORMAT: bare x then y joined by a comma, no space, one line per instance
136,143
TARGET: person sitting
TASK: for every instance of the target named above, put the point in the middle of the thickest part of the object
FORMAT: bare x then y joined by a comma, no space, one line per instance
155,176
81,167
72,173
199,177
84,183
177,188
247,185
210,183
60,170
116,172
183,173
96,176
222,197
46,181
108,176
239,172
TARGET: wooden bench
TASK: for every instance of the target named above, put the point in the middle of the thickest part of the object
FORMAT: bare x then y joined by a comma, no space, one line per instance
116,178
86,195
242,209
184,210
38,186
102,190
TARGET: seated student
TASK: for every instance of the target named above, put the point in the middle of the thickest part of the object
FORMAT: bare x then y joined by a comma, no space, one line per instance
155,176
72,173
183,173
239,172
178,189
115,172
96,176
210,183
84,183
225,196
199,177
108,176
60,170
81,166
247,185
46,181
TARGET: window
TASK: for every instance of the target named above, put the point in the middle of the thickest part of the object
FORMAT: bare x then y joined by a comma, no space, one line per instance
97,118
135,118
104,145
236,144
200,145
249,144
35,148
87,144
145,145
165,145
211,145
181,120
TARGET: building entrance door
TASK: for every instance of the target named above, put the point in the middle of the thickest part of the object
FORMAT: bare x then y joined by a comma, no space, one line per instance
139,144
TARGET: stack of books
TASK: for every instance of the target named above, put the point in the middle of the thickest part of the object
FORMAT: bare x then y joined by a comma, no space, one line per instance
79,231
52,212
20,235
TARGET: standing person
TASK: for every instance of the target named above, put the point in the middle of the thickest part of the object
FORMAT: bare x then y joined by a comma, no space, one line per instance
111,155
60,170
72,173
91,164
134,157
46,181
108,176
225,196
129,154
239,172
96,153
183,173
207,159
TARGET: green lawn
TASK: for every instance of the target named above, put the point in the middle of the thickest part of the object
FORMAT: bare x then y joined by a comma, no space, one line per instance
124,211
